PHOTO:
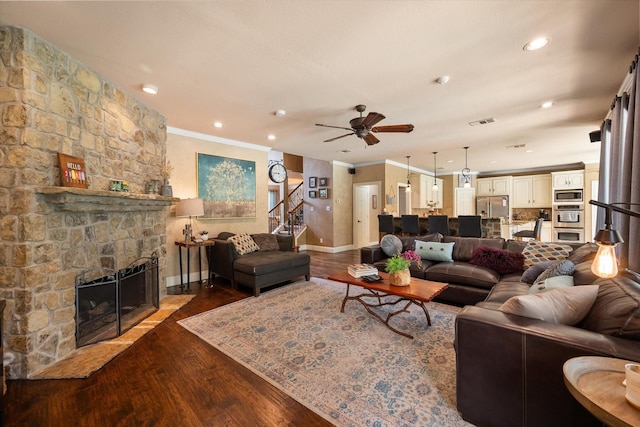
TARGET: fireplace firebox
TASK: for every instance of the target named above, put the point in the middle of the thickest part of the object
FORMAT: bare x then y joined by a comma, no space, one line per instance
110,302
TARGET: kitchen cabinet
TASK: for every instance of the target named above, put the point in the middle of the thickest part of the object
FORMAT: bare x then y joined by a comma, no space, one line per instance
422,192
547,233
531,191
464,202
500,186
568,180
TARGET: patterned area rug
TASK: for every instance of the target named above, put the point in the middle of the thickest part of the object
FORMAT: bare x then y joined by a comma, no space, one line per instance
84,361
347,367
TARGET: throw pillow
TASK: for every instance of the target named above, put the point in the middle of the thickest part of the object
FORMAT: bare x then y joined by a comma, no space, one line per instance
390,244
536,252
498,260
551,283
434,251
586,252
531,274
266,242
243,243
567,306
559,268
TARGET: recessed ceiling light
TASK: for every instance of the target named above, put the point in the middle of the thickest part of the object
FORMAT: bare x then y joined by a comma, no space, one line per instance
536,44
442,80
547,104
528,151
280,113
150,89
449,161
217,124
271,137
492,161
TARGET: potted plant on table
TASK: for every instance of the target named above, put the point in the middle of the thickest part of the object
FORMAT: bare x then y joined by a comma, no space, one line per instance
398,267
204,235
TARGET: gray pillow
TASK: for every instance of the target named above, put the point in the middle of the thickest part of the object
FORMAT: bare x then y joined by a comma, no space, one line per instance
266,242
391,244
560,268
531,274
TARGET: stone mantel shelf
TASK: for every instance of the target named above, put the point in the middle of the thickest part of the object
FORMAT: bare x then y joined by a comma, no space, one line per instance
86,200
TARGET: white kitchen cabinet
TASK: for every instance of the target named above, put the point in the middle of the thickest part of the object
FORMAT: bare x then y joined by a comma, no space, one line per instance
422,192
547,233
500,186
464,202
568,180
531,191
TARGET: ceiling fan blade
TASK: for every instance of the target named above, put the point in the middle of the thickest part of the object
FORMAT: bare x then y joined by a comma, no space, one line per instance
371,139
338,137
372,119
393,128
335,127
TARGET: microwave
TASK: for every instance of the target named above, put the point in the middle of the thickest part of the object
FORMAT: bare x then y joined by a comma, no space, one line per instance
567,196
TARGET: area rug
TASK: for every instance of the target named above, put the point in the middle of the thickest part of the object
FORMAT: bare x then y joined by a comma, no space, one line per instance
347,367
84,361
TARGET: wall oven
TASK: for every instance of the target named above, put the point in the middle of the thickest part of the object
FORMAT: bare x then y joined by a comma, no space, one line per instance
568,216
569,235
568,196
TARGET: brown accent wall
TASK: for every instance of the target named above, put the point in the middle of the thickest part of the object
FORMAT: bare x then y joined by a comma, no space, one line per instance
320,221
342,206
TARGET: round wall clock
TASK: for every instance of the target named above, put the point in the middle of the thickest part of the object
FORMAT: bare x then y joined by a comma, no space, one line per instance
277,173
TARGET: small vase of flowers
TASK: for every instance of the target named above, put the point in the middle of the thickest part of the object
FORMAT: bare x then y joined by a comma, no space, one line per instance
398,267
204,235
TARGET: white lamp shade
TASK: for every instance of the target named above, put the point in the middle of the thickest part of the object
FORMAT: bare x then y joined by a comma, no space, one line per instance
190,207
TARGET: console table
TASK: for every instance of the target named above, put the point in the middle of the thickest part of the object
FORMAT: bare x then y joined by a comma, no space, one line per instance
188,246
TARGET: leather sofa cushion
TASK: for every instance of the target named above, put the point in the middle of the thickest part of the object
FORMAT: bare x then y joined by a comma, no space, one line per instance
462,273
464,246
258,263
617,308
409,242
505,290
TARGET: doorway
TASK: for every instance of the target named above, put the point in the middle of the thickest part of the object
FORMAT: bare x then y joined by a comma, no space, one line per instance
366,207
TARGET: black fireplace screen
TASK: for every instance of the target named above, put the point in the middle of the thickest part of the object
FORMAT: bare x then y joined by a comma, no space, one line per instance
110,302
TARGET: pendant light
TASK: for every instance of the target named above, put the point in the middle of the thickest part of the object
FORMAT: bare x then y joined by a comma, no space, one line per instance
435,173
408,187
466,172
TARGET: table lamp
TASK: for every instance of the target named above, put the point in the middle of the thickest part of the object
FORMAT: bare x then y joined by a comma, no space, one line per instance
190,208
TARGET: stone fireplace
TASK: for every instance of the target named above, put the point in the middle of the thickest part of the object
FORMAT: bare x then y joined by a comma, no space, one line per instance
50,103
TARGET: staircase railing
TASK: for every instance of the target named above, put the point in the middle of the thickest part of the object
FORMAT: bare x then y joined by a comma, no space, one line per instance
294,218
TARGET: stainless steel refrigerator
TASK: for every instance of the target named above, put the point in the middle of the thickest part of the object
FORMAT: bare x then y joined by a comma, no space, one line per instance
493,206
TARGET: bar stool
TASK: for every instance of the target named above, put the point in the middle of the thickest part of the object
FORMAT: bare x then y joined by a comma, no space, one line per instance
385,225
530,234
470,225
410,225
439,224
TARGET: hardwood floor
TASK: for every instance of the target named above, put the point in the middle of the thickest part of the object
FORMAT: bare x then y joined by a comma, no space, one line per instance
168,378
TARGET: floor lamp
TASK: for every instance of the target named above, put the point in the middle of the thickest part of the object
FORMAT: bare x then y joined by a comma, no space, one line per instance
190,208
605,263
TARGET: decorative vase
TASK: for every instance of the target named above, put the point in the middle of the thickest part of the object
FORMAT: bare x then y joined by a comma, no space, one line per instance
400,278
166,189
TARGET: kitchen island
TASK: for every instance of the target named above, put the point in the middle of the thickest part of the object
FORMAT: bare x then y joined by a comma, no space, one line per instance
491,227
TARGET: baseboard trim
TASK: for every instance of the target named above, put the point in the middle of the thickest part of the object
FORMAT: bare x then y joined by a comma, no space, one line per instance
326,249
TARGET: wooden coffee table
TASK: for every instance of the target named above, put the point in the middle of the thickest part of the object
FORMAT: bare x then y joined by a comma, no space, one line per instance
418,292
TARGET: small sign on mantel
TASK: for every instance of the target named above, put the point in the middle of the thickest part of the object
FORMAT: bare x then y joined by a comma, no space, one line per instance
72,171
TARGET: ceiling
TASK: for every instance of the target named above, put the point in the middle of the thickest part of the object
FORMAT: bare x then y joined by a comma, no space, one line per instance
238,62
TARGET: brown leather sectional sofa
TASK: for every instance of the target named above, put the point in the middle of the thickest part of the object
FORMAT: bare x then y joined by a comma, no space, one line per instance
509,367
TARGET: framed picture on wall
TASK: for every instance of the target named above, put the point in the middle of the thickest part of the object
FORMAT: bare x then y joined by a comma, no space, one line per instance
324,193
313,194
323,182
313,182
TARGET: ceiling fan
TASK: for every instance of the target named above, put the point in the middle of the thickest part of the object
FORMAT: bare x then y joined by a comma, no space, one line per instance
363,126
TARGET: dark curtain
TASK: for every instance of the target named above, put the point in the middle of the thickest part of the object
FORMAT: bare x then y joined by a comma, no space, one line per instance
620,169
